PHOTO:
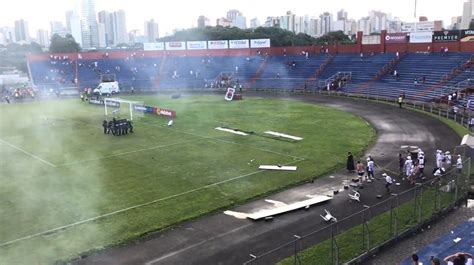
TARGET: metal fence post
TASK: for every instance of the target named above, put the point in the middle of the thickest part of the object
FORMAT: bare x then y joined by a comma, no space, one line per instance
297,259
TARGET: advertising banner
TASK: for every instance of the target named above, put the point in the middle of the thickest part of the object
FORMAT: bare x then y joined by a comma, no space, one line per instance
467,35
175,45
114,104
139,108
260,43
446,35
238,44
153,46
165,112
396,38
218,44
196,45
421,37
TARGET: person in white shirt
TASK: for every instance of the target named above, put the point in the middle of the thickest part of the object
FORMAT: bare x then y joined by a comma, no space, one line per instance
439,158
459,164
447,157
459,258
408,167
388,181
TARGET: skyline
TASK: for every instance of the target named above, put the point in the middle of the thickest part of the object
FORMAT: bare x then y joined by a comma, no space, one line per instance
174,16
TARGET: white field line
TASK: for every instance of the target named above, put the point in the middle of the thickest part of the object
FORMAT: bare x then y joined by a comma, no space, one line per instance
28,153
54,230
126,153
226,141
195,245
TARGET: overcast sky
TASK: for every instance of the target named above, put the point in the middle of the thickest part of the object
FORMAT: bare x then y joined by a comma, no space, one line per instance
184,13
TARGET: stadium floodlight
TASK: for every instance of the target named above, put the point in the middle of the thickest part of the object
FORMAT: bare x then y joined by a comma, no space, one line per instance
118,102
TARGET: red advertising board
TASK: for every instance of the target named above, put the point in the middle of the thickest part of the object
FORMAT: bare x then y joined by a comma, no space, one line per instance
396,38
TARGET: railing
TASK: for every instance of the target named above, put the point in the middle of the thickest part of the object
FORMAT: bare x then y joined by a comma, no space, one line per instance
337,76
352,239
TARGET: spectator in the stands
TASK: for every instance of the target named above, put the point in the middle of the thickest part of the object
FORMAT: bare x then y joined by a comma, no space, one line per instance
414,259
435,261
460,258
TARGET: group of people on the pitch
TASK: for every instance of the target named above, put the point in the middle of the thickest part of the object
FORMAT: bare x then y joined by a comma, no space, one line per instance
117,127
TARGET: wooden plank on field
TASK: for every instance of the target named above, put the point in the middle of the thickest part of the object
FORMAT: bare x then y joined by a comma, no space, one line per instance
231,131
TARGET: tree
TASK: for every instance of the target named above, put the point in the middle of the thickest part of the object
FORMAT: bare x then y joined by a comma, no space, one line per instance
61,44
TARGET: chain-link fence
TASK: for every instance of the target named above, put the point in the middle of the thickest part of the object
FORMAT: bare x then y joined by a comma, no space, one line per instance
355,237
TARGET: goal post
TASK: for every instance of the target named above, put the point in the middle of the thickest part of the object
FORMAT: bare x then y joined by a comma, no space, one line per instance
113,105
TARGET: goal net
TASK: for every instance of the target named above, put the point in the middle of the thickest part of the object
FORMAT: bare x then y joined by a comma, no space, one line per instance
122,108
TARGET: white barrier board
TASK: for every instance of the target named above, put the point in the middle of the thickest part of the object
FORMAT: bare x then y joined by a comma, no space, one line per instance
284,135
272,167
289,207
231,131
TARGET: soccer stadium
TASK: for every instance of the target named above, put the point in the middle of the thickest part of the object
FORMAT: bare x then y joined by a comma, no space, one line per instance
242,151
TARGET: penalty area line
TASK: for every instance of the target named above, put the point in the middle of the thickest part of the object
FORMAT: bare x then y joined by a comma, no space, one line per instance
64,227
28,153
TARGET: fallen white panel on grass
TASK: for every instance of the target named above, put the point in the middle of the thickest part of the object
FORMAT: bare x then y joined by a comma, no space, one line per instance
270,167
231,131
289,207
284,135
237,215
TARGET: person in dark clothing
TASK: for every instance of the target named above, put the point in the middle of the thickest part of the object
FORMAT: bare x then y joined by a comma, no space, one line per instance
350,162
110,128
7,99
130,126
104,124
401,163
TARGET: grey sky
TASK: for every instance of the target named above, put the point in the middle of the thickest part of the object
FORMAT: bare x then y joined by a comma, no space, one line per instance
184,13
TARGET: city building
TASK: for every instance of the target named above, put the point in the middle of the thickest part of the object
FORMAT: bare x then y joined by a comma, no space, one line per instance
57,27
237,19
22,33
364,25
341,15
326,23
76,27
467,14
224,22
254,23
378,21
7,35
203,22
43,38
89,27
69,15
456,22
151,31
120,27
107,19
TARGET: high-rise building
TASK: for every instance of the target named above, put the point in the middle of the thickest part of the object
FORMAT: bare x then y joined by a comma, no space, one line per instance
237,19
456,22
68,20
254,23
467,14
364,25
203,22
76,27
342,15
89,27
115,28
287,21
325,23
57,27
224,22
22,33
106,18
8,35
102,35
378,21
42,37
151,30
120,27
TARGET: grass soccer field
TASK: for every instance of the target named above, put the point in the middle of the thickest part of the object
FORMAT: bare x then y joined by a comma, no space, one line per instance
66,188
